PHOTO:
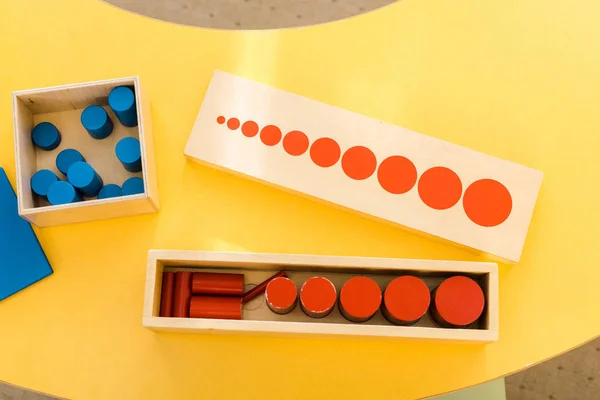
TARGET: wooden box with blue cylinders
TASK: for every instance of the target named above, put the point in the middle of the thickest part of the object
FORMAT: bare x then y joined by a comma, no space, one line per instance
23,261
84,145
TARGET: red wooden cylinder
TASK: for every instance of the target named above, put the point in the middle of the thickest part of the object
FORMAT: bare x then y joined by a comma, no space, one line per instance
317,297
166,294
360,299
457,302
218,284
216,307
281,295
182,294
258,289
405,300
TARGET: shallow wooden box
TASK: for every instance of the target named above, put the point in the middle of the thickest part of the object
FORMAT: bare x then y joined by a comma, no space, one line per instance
62,105
257,318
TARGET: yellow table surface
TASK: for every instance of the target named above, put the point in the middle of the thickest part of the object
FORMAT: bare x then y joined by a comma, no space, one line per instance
518,79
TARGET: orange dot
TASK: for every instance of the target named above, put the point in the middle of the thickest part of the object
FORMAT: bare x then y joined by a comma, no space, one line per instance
440,188
221,120
295,143
397,174
233,123
325,152
359,163
250,128
487,202
270,135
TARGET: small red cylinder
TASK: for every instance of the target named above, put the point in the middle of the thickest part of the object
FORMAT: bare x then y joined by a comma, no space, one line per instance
457,302
405,300
166,294
360,299
218,284
182,294
281,295
216,307
317,297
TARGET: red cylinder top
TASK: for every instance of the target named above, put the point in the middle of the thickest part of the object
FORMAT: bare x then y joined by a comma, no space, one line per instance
318,294
459,300
360,297
281,292
407,298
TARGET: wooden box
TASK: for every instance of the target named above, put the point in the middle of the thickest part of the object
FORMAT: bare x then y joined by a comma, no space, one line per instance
377,169
257,318
62,106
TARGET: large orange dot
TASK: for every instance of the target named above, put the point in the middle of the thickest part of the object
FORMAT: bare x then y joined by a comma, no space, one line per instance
440,188
487,202
221,120
270,135
233,123
359,162
250,128
295,143
397,174
325,152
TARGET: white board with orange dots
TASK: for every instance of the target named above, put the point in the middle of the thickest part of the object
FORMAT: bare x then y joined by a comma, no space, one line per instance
359,163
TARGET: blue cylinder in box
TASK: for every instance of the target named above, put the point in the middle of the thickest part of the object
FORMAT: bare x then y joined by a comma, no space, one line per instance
66,158
62,192
122,101
96,121
110,190
133,185
129,153
41,182
85,179
46,136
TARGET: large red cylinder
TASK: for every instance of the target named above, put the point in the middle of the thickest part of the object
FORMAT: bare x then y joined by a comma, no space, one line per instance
281,295
216,307
182,294
457,302
218,284
405,300
360,299
166,294
317,297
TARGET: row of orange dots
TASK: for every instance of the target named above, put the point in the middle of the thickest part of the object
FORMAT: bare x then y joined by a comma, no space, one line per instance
486,202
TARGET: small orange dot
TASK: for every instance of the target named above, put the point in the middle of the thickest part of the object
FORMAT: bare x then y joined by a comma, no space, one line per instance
359,162
233,123
440,188
397,174
270,135
250,128
325,152
295,143
221,120
487,202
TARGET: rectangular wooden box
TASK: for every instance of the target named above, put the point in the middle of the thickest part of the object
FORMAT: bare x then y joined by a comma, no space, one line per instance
257,318
224,146
62,106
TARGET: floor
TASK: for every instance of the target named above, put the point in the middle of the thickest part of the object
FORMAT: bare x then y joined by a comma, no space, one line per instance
572,376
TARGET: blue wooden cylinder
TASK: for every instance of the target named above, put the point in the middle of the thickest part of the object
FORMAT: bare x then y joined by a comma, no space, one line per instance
129,153
122,101
62,192
110,190
96,121
85,179
41,182
46,136
133,185
66,158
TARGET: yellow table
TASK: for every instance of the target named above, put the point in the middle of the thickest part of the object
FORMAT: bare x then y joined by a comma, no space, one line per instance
518,79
